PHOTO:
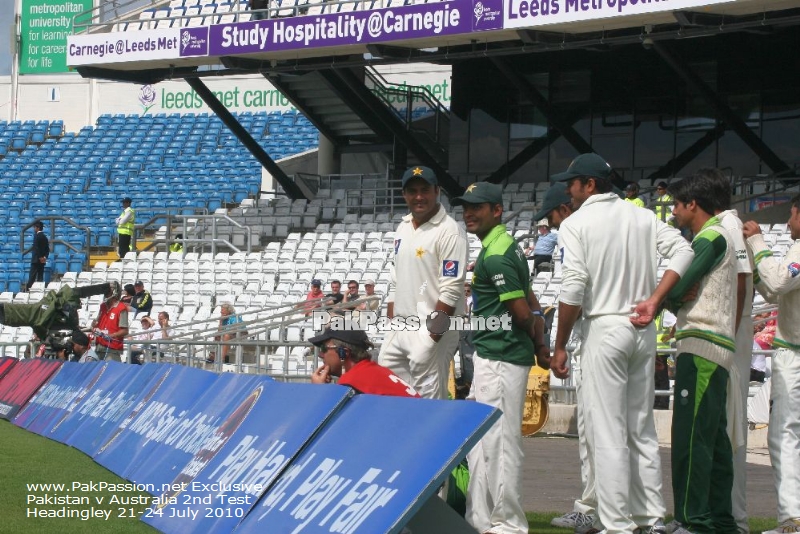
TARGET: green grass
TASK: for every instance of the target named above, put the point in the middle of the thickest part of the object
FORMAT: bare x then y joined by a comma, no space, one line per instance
26,458
540,523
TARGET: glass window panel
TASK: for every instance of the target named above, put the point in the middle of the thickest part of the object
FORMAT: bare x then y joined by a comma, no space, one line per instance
781,125
654,134
488,142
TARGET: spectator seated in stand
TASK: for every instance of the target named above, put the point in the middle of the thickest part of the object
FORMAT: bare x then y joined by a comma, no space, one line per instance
229,329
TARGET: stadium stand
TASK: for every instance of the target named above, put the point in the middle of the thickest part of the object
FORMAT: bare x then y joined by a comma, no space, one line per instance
191,286
168,163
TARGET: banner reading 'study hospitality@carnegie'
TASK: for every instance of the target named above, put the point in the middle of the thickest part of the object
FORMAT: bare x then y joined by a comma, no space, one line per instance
529,13
288,33
423,21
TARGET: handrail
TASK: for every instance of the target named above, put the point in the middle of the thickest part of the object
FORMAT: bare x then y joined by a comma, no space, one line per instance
86,251
196,341
101,11
100,20
423,92
411,93
214,241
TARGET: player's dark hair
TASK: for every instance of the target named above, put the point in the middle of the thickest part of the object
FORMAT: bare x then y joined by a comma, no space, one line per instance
722,187
795,202
600,184
698,188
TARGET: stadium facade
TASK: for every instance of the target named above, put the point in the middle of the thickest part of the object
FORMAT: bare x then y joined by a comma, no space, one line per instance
659,88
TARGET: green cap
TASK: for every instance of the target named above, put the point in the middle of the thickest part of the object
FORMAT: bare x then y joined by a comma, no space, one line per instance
423,173
480,192
553,198
585,165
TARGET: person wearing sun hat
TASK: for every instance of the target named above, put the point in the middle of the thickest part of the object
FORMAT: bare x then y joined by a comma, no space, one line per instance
369,291
546,243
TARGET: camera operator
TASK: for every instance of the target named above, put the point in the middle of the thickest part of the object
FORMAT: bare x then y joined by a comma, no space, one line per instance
54,319
82,348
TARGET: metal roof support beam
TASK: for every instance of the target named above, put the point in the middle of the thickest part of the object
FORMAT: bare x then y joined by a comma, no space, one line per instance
529,152
691,152
731,119
291,188
564,127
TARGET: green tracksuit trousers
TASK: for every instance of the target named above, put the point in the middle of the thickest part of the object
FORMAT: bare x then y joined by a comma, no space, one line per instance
702,460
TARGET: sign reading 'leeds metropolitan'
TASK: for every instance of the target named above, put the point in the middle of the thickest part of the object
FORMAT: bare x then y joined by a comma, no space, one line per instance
424,21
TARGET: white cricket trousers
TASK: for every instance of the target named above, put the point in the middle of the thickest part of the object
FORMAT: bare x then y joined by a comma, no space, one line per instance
742,359
617,366
494,497
587,503
783,436
416,358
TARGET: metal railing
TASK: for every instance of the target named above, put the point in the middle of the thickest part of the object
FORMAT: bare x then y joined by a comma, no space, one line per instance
109,13
194,230
360,196
250,349
54,234
401,98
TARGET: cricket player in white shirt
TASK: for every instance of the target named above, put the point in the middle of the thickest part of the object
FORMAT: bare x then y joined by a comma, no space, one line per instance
426,287
609,275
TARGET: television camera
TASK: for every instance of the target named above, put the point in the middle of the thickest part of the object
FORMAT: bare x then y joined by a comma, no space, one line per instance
54,319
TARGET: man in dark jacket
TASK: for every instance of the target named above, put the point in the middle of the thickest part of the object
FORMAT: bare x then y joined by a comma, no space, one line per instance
39,253
142,302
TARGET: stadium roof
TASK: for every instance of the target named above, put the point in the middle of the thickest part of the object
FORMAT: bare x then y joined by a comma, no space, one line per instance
434,32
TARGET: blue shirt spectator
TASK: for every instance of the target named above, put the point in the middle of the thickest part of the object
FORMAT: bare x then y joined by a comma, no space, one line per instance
546,243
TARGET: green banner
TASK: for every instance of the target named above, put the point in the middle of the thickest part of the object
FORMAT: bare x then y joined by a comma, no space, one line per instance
45,25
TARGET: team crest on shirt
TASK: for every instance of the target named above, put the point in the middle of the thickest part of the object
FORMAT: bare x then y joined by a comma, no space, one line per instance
794,269
112,315
396,246
450,268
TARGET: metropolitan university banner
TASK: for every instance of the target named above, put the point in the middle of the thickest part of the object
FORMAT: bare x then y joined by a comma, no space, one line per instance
44,27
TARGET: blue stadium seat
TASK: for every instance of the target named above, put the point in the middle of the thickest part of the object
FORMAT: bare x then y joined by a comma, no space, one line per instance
14,284
38,137
56,129
19,143
60,264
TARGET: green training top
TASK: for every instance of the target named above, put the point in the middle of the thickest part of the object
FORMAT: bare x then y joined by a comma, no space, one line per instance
710,249
501,274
